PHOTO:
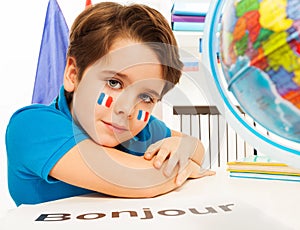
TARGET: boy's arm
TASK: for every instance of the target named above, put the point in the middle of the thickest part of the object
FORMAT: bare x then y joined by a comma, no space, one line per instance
110,171
179,150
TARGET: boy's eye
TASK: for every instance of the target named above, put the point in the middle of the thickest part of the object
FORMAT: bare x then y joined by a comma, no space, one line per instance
114,84
146,98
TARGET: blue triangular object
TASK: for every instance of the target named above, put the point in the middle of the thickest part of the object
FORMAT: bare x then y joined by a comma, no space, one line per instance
52,57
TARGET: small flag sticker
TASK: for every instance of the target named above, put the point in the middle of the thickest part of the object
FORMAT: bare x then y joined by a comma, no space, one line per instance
143,115
105,100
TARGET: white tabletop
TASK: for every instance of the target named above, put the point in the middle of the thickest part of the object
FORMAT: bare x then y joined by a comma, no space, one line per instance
212,203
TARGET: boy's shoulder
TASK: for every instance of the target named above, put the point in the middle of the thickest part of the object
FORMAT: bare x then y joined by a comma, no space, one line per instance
37,121
36,114
34,108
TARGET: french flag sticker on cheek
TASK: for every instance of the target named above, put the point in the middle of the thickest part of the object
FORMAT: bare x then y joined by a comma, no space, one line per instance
143,115
105,100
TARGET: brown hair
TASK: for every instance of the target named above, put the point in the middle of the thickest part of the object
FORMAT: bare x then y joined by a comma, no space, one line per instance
96,28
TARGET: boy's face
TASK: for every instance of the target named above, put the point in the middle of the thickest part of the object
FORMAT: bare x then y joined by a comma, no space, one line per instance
116,95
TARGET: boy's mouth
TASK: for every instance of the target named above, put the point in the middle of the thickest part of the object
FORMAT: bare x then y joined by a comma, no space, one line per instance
116,127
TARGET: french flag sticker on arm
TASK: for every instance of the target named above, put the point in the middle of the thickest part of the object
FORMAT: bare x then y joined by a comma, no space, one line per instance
143,115
105,100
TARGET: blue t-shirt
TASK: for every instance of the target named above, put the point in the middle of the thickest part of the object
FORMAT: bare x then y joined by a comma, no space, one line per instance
37,136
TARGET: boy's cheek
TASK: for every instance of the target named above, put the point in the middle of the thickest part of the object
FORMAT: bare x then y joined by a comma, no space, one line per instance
105,100
137,126
143,116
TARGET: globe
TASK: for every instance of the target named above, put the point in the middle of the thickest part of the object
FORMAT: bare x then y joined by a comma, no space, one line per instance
260,51
259,45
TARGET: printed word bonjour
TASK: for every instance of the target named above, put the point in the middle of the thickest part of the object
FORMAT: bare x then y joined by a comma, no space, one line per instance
146,214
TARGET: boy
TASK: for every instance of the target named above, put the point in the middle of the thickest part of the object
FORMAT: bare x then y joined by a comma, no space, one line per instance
121,60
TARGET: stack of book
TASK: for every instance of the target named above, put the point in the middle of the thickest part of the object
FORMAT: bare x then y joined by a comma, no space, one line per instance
189,15
262,167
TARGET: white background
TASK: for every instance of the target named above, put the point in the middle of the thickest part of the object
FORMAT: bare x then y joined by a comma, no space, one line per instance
21,26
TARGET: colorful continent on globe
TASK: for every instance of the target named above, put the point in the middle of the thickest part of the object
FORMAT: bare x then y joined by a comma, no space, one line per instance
267,32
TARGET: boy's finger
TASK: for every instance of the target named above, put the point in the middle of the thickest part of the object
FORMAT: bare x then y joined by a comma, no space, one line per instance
192,171
175,160
182,176
172,162
184,173
161,156
202,173
152,150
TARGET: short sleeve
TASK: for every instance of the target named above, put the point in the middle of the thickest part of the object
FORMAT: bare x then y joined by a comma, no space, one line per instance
37,137
158,129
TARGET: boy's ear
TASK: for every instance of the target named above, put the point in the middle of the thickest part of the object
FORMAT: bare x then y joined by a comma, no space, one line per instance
70,75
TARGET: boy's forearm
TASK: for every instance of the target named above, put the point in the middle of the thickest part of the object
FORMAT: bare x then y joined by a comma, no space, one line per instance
128,170
112,172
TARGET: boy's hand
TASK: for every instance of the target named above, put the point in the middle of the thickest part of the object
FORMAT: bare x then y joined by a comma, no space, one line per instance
192,171
185,151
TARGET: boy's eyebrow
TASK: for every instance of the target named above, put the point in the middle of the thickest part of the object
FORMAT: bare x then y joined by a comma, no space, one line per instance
112,72
153,92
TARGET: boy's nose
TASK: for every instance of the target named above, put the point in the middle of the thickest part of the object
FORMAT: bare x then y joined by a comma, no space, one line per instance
125,105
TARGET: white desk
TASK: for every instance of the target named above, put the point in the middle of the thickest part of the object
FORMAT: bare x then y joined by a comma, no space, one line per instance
211,203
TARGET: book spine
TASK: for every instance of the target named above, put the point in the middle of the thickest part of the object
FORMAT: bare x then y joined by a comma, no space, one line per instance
241,163
188,26
188,13
264,172
265,176
185,18
190,8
